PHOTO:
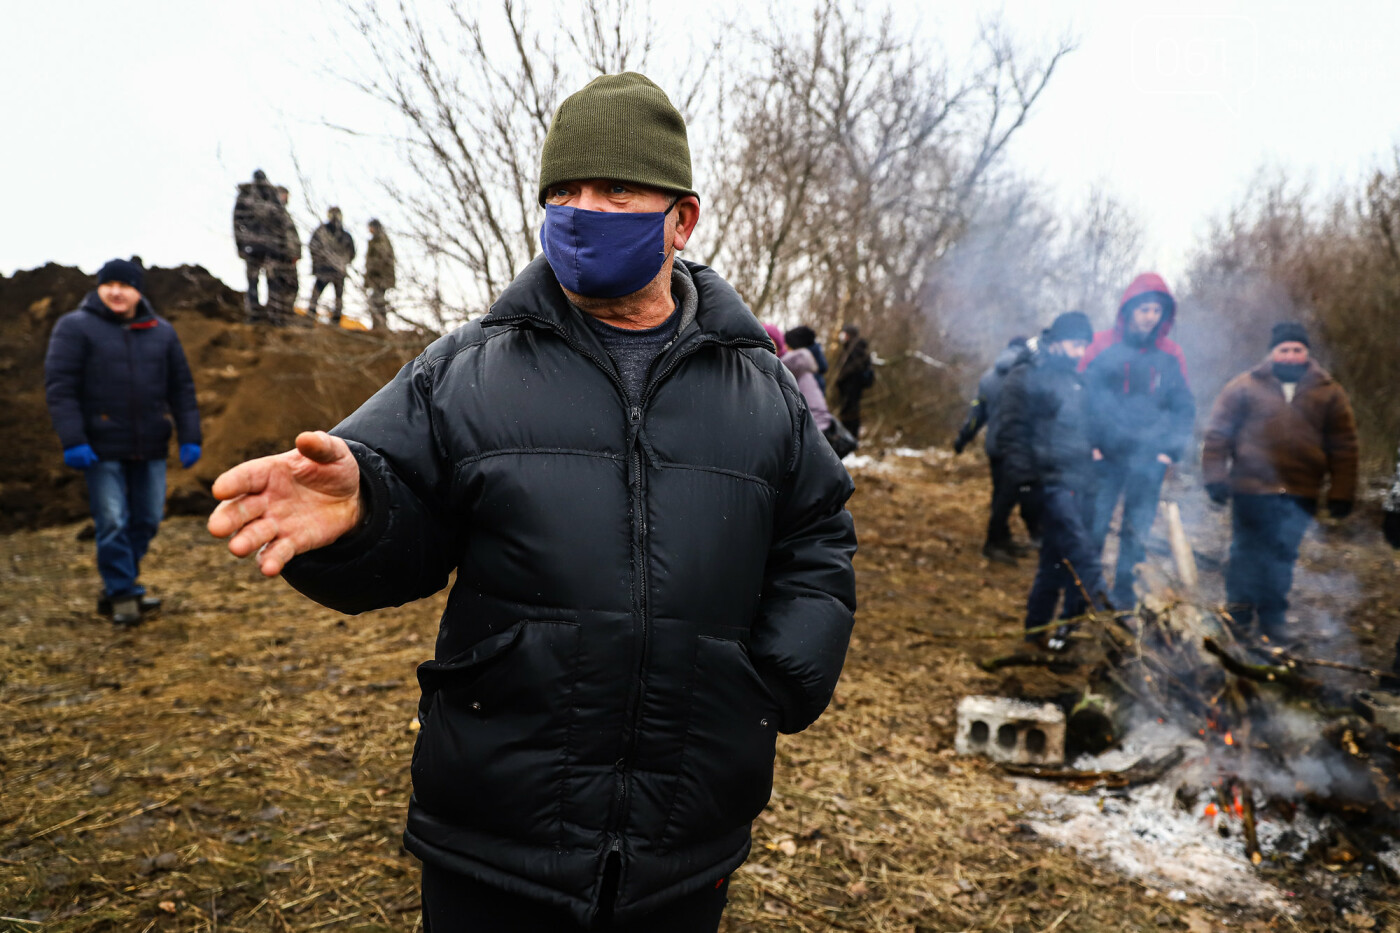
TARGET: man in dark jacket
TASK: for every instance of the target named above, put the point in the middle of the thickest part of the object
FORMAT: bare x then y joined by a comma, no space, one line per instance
985,410
115,375
1045,443
380,275
855,374
653,560
1143,412
332,250
1277,434
260,223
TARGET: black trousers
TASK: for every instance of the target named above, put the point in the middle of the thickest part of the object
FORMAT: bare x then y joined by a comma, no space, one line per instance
1005,497
337,285
1067,541
454,903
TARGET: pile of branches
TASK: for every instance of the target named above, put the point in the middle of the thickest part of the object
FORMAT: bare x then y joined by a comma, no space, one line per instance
1279,730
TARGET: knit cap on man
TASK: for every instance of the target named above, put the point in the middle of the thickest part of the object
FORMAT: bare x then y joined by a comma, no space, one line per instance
121,270
1288,332
1072,325
620,127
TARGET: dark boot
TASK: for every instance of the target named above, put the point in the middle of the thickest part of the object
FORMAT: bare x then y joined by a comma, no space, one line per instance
147,604
998,554
126,611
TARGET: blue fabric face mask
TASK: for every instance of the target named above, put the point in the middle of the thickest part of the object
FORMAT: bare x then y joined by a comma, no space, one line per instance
604,254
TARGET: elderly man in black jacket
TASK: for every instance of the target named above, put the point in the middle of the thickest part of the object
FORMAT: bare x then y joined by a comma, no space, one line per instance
1046,443
652,555
115,376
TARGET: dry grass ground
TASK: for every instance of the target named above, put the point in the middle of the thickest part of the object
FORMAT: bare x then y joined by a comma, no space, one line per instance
240,763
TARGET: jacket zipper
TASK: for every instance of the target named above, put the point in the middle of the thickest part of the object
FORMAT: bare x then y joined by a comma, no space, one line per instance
634,467
131,393
639,540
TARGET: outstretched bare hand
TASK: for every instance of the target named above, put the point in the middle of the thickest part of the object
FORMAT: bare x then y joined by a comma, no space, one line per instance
289,503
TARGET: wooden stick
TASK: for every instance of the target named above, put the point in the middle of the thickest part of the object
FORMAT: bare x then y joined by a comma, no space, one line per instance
1262,673
1251,832
1287,658
1182,554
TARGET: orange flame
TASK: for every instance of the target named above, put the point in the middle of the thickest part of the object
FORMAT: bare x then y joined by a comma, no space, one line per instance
1211,810
1229,738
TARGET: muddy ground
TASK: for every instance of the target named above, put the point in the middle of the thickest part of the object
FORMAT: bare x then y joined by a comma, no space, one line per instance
240,763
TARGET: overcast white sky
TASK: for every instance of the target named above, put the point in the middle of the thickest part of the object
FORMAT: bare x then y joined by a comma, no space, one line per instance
127,125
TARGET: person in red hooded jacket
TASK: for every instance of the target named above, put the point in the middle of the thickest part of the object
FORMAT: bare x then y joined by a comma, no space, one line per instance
1142,417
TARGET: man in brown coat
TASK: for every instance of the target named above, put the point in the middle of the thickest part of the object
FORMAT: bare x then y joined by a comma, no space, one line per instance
1275,434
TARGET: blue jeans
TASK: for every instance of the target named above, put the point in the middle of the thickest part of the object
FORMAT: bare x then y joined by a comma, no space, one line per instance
1137,480
1064,529
127,498
1265,534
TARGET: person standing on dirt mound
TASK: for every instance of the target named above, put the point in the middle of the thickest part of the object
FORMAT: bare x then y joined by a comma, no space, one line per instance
379,273
1277,434
115,375
1046,449
855,374
652,553
332,251
282,278
260,232
986,410
1143,413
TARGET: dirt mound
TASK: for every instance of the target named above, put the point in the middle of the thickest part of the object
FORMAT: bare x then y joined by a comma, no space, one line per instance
257,387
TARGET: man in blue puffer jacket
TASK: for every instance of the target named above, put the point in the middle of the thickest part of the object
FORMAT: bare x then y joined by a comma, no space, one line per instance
115,375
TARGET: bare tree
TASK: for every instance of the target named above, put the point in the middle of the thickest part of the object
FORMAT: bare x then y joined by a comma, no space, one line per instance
1098,255
476,93
858,161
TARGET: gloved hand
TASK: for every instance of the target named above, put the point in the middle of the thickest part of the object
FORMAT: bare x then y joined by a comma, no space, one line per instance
1219,492
189,455
1390,527
80,457
959,444
1339,508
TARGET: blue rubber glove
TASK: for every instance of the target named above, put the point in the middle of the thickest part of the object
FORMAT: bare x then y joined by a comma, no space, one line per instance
189,455
80,457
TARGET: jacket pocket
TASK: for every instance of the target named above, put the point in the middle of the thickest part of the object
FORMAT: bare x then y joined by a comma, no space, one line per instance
726,772
493,751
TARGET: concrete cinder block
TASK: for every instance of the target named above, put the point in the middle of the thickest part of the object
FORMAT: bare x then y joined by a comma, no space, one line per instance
1012,731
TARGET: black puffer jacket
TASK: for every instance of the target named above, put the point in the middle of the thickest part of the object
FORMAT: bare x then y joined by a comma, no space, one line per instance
116,385
645,596
985,409
1045,433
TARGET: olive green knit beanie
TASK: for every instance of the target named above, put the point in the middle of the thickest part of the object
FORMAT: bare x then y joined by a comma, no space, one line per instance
621,127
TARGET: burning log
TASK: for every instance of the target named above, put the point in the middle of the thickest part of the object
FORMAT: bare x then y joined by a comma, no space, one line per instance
1143,771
